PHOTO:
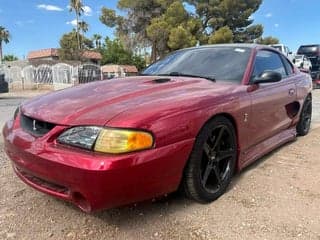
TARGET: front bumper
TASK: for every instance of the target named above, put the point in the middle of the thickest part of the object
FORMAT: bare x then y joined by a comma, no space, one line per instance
89,180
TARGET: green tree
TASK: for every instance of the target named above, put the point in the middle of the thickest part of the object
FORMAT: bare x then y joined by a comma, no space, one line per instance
110,18
69,46
167,25
139,62
175,29
267,40
9,58
138,16
158,33
215,14
113,52
76,6
4,37
223,35
180,37
249,35
83,27
96,38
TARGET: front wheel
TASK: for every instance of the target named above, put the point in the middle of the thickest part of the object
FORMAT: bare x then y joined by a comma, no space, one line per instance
304,123
212,161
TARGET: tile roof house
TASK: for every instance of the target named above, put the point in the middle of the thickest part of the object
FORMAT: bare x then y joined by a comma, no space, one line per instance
52,54
92,55
129,69
44,54
112,70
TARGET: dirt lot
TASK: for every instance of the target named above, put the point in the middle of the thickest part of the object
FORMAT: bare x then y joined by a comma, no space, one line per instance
276,198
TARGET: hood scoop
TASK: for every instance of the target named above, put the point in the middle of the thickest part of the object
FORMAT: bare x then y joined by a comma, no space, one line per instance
161,80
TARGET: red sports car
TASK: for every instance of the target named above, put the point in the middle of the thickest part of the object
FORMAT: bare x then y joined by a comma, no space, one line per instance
190,120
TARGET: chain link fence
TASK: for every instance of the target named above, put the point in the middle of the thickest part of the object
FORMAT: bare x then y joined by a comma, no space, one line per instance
44,76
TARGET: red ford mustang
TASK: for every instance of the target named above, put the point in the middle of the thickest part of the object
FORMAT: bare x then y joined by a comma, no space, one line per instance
190,121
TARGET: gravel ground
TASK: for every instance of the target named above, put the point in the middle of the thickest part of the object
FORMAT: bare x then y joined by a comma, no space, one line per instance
278,197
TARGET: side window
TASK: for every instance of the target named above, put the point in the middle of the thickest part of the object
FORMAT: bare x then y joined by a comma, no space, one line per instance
268,61
288,66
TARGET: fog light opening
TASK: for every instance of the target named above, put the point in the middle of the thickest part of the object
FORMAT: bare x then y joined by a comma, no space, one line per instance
81,202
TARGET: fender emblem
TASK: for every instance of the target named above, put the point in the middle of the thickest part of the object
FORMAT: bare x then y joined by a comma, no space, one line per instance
246,115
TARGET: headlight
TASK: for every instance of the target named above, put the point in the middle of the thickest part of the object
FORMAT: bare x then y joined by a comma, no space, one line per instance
83,137
122,141
107,140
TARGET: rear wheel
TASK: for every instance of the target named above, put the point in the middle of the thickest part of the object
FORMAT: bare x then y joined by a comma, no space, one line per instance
304,123
212,161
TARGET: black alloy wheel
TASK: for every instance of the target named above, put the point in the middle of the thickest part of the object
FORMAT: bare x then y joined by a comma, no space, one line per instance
212,161
304,123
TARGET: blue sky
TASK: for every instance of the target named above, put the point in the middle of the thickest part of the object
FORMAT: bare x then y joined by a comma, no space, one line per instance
37,24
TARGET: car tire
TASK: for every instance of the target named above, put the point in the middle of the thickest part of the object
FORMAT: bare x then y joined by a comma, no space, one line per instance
304,123
212,161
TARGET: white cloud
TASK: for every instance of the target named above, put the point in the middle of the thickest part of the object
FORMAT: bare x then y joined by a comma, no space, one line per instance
87,11
268,15
49,7
276,25
73,22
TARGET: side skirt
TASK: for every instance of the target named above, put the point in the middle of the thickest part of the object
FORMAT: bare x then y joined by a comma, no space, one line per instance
252,154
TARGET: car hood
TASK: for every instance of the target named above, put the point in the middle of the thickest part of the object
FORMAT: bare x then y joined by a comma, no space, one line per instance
99,102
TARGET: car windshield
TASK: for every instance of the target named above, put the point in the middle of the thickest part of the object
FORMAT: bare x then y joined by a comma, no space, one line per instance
298,57
219,63
308,49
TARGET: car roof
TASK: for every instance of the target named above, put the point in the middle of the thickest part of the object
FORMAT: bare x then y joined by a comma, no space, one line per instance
310,45
232,45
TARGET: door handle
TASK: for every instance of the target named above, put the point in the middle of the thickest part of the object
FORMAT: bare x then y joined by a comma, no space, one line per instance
291,92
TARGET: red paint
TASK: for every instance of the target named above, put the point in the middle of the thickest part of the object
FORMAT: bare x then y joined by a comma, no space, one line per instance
173,111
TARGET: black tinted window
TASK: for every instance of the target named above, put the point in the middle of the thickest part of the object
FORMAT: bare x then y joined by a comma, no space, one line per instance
222,63
308,49
268,61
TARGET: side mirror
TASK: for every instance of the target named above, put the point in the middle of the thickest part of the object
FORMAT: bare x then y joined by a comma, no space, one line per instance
268,77
294,60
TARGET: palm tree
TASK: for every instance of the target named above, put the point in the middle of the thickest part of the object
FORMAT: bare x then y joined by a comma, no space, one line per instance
4,37
83,27
77,7
97,40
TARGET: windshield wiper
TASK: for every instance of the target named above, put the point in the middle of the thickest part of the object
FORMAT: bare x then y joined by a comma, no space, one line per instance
180,74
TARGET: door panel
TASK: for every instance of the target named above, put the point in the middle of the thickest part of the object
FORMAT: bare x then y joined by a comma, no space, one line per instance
270,101
269,110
